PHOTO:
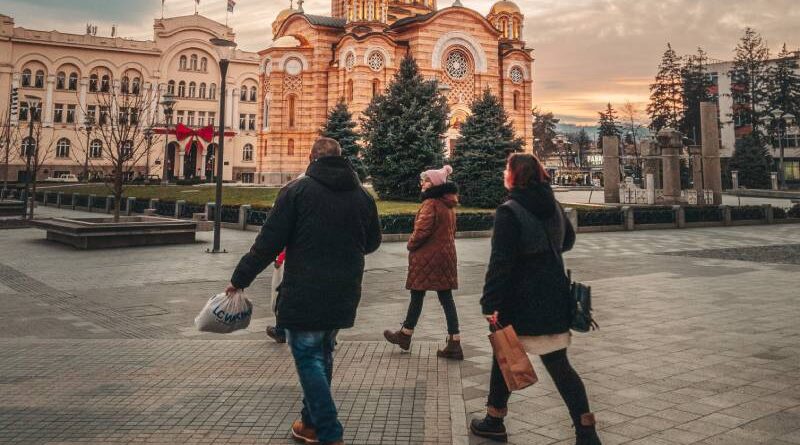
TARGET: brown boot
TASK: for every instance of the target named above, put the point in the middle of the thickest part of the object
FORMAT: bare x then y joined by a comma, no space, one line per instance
452,350
304,433
398,338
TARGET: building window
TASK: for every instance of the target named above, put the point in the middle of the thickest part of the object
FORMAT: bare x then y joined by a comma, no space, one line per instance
105,83
242,121
376,61
126,153
243,94
212,118
103,115
516,75
182,89
457,65
201,118
376,87
292,111
349,91
96,149
26,77
350,62
248,178
212,91
93,83
28,147
23,111
192,89
516,101
180,117
125,85
61,80
253,94
91,113
266,114
73,82
202,92
204,64
58,113
62,148
71,114
247,152
136,86
39,80
290,148
182,63
171,87
194,62
251,122
190,118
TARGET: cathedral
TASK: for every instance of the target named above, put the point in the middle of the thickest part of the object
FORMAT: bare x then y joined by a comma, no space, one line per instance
314,61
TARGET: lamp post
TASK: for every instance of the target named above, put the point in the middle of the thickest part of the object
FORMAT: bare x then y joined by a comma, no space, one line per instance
34,102
779,121
168,104
225,50
88,125
148,137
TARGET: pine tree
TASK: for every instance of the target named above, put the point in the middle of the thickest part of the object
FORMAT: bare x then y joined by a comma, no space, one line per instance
696,89
403,132
608,123
487,138
750,80
544,131
784,84
340,126
753,161
584,143
666,94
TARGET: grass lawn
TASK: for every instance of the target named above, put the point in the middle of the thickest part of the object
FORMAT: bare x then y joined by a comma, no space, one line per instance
234,196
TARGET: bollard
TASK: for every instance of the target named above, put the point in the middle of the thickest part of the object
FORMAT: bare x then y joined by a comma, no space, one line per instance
627,215
153,204
243,210
769,214
210,206
179,208
727,219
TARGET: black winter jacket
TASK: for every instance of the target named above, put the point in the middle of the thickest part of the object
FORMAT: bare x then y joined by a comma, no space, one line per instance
327,223
525,282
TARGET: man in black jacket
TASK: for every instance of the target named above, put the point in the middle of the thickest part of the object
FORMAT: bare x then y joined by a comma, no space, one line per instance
327,222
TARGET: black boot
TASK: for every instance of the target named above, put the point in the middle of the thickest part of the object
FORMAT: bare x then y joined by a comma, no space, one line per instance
586,432
490,428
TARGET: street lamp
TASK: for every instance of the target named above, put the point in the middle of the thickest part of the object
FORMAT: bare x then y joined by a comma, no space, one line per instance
34,102
88,125
148,137
225,51
779,121
168,104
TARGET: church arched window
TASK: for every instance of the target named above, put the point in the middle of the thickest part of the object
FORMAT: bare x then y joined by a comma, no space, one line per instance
292,105
290,147
375,61
516,101
350,91
376,87
516,75
457,64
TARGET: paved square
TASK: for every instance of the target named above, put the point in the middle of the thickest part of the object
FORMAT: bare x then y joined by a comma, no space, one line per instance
698,344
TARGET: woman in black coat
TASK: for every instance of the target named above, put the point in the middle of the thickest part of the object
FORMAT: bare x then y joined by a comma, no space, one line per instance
526,287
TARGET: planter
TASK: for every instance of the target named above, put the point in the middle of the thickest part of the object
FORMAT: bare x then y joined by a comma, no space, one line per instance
103,233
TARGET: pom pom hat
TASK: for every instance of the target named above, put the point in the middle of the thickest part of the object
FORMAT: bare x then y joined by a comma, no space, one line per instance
437,177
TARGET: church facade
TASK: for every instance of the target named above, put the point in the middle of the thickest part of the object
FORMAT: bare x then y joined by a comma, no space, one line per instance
353,54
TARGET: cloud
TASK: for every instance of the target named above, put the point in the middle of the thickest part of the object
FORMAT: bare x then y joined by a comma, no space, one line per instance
588,52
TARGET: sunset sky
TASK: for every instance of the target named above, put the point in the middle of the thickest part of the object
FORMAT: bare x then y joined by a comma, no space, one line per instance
588,52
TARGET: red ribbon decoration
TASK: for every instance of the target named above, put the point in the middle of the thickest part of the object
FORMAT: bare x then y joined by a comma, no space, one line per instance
183,132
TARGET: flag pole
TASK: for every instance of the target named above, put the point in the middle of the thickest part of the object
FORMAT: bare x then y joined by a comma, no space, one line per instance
162,9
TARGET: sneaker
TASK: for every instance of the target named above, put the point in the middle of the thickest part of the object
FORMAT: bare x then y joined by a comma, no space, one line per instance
452,351
303,433
491,428
398,338
272,332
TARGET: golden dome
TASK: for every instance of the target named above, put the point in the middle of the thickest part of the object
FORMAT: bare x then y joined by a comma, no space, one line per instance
505,6
283,15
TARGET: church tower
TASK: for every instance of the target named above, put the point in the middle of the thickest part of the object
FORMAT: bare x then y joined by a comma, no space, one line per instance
400,9
359,11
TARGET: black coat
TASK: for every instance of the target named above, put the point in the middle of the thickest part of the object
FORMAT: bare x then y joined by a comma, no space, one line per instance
327,222
525,282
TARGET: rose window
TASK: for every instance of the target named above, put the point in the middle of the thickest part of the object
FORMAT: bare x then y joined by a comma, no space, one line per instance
516,75
375,61
350,62
457,65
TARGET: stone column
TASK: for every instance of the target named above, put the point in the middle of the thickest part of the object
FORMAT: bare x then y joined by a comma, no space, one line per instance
80,116
235,108
697,173
712,171
611,168
228,106
47,117
671,143
181,154
650,183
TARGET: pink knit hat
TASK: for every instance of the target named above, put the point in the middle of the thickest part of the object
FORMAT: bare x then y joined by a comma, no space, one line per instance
437,177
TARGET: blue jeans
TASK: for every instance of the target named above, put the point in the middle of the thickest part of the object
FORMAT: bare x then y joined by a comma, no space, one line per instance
313,357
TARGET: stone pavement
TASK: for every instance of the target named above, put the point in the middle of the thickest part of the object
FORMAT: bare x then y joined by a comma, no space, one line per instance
698,344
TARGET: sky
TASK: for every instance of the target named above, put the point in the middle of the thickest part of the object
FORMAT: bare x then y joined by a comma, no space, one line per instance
588,52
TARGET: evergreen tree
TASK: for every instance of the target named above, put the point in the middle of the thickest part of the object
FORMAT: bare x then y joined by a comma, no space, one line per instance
340,126
784,84
696,89
544,132
584,143
608,123
666,93
750,80
753,162
403,131
487,138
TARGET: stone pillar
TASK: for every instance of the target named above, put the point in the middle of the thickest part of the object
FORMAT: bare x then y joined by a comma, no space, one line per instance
712,171
181,154
671,143
80,116
680,216
769,214
243,210
47,117
611,168
735,179
727,218
774,180
628,218
153,204
650,184
179,207
696,155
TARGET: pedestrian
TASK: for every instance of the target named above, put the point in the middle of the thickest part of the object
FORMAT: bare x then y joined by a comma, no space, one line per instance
273,332
526,288
432,260
327,222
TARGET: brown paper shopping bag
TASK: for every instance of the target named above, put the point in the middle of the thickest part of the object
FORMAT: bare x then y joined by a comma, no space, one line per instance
514,363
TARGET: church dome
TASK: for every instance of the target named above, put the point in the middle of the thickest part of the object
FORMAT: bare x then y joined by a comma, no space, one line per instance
505,6
282,16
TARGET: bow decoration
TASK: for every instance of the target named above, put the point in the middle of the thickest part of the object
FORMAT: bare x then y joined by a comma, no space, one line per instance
182,132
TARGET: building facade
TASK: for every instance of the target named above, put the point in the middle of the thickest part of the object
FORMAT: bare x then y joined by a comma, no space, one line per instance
278,98
68,72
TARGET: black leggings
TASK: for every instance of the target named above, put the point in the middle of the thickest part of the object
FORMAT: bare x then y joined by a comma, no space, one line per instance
568,383
449,306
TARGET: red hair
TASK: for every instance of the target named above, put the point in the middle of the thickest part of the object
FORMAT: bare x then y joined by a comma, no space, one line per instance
525,170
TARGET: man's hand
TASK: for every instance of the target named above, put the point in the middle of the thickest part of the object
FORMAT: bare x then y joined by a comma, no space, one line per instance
492,318
231,290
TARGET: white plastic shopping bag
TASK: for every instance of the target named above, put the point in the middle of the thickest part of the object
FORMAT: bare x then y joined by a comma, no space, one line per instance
223,314
277,279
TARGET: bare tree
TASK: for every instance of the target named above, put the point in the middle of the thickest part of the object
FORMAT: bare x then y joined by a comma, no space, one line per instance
9,139
632,126
120,110
36,149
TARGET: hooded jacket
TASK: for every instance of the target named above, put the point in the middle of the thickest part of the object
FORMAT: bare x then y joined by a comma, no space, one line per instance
525,281
327,223
432,259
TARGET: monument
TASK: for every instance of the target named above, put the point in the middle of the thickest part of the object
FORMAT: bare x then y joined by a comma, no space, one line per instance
712,171
611,169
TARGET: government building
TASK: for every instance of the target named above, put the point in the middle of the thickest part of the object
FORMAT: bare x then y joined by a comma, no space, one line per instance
278,98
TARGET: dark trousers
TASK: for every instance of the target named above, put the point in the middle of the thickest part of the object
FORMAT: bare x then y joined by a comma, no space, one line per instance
568,383
447,302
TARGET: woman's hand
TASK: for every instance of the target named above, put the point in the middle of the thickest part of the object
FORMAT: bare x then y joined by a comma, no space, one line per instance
231,290
492,318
